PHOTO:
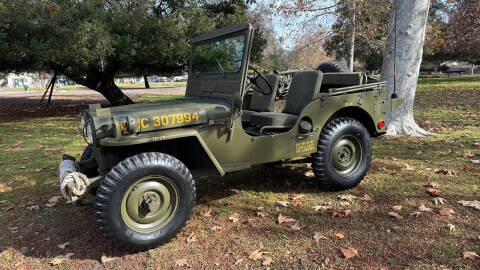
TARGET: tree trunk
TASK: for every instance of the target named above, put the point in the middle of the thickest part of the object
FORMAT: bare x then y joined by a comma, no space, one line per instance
112,93
473,68
102,82
351,49
145,79
411,19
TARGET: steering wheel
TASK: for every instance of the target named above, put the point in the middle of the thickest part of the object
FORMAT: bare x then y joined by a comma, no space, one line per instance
253,80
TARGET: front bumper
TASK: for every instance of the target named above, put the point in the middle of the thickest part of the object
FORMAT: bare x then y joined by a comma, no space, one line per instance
74,185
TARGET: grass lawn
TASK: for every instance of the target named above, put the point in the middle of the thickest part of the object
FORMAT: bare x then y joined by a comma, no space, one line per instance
402,172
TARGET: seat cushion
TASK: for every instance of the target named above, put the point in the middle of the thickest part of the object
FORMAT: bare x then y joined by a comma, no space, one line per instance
247,115
273,119
305,87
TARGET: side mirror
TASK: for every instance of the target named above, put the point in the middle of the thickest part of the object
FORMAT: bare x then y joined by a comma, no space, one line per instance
237,101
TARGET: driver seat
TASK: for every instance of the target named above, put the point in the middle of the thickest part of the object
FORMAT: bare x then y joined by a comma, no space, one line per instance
259,102
305,87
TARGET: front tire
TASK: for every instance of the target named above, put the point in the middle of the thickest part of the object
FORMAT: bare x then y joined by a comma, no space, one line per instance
344,154
145,200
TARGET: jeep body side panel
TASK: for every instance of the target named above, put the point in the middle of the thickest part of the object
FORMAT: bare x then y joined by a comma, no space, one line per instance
240,150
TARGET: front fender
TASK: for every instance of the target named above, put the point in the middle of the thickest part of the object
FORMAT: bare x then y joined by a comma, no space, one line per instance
163,135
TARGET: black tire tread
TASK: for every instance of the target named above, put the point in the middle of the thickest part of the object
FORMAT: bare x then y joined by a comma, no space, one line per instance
333,66
318,159
115,176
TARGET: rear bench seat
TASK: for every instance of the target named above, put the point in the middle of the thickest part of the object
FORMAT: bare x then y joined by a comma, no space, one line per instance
340,79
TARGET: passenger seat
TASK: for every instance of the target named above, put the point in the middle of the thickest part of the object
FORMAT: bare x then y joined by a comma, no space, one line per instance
305,87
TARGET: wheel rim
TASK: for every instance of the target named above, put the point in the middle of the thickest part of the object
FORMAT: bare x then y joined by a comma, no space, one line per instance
150,204
346,154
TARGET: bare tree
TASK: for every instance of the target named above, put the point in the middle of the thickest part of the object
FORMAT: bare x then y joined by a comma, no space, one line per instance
403,56
351,43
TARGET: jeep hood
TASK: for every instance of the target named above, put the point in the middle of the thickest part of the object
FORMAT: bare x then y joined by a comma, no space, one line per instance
144,117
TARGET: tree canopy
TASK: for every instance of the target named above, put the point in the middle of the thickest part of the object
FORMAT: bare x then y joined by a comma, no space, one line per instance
92,41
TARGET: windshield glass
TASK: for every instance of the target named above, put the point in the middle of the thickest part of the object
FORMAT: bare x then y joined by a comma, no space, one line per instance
219,56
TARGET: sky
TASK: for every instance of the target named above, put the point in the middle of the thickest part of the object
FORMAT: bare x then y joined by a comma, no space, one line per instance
289,27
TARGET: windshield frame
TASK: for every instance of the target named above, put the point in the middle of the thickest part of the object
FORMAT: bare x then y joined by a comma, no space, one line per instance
224,37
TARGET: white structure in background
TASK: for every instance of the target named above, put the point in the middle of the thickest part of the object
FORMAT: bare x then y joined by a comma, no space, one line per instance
41,80
14,80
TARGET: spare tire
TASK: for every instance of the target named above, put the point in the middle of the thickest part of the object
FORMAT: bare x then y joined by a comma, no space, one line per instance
333,66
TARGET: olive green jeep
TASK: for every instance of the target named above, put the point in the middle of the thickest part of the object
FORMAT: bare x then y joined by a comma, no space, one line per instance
140,157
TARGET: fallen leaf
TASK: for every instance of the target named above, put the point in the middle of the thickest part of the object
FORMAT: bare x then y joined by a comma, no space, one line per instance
234,217
104,259
341,213
191,238
318,236
433,185
182,263
408,167
207,213
395,215
366,197
473,204
434,192
267,261
397,207
320,207
57,260
439,200
349,252
470,255
52,201
415,213
446,212
446,172
296,226
348,198
64,245
262,214
423,208
238,261
256,255
60,259
215,228
339,236
34,207
283,219
475,161
309,174
283,203
297,197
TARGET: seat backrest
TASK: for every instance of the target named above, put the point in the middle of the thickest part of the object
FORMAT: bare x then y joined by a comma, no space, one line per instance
304,88
264,103
340,79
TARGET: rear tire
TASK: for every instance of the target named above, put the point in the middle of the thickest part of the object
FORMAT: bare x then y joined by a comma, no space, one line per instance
344,154
145,200
333,66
